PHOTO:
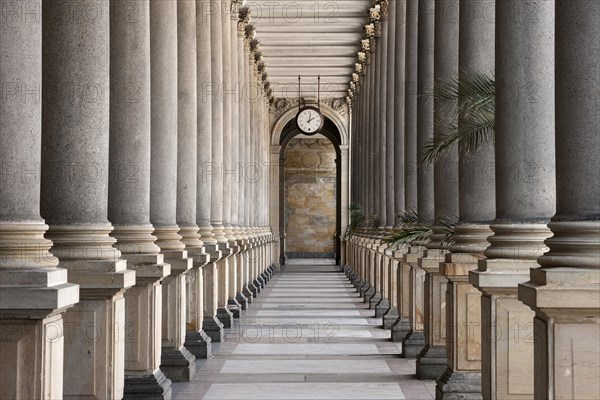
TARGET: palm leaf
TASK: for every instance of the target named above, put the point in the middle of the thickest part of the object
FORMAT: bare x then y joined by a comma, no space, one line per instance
470,99
410,235
447,226
356,216
407,217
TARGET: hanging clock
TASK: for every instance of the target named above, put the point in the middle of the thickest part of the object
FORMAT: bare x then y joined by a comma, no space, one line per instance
309,120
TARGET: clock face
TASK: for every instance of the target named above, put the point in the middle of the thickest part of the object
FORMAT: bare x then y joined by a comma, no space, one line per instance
309,120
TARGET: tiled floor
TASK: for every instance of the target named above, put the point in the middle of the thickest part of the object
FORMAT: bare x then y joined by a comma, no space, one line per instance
307,336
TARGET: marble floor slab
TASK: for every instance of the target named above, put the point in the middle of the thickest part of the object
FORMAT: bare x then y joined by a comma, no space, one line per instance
308,335
306,367
303,391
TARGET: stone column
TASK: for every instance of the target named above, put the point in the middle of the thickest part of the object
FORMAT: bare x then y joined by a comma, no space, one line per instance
129,186
220,122
145,303
74,194
396,32
378,126
563,292
196,340
431,363
383,304
217,19
415,340
381,118
525,195
205,169
228,94
476,211
249,290
390,117
227,266
409,11
369,160
74,180
34,293
400,45
410,105
239,26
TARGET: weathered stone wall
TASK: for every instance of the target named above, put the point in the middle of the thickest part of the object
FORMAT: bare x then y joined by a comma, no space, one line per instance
310,197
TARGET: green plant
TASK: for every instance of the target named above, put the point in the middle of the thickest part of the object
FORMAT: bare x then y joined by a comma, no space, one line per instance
448,227
356,216
411,232
374,221
468,102
407,217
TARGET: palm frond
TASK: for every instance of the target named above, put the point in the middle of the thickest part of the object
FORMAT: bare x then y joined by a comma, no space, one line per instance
409,235
407,217
447,226
470,100
356,216
374,221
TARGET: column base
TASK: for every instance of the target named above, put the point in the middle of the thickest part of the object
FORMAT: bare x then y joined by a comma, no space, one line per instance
390,318
248,292
199,344
242,300
213,329
154,387
234,307
254,288
458,386
258,284
413,344
432,362
360,286
178,364
225,316
264,278
374,300
368,294
400,329
382,307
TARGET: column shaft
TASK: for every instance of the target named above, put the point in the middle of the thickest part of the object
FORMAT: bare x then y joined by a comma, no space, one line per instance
74,195
564,291
525,193
35,293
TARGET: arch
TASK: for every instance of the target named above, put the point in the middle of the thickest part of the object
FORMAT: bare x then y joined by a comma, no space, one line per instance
284,129
327,111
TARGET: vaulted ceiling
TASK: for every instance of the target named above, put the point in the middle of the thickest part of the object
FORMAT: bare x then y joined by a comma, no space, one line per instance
309,38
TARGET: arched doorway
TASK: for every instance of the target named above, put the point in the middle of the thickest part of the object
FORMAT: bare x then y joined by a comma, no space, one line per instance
310,223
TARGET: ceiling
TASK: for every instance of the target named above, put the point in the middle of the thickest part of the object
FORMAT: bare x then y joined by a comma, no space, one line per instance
308,38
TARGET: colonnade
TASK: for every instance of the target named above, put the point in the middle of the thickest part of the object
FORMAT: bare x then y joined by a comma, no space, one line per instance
511,308
133,217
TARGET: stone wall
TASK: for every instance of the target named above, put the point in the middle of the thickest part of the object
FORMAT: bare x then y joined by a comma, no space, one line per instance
310,197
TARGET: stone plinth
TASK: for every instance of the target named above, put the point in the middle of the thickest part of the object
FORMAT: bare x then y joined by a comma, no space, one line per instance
462,378
414,341
143,325
431,363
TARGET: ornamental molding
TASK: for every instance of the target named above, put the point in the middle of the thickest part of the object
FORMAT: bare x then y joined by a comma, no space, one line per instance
243,21
365,45
250,32
280,105
374,14
234,8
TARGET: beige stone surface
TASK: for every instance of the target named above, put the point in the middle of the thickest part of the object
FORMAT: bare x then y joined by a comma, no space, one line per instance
310,196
